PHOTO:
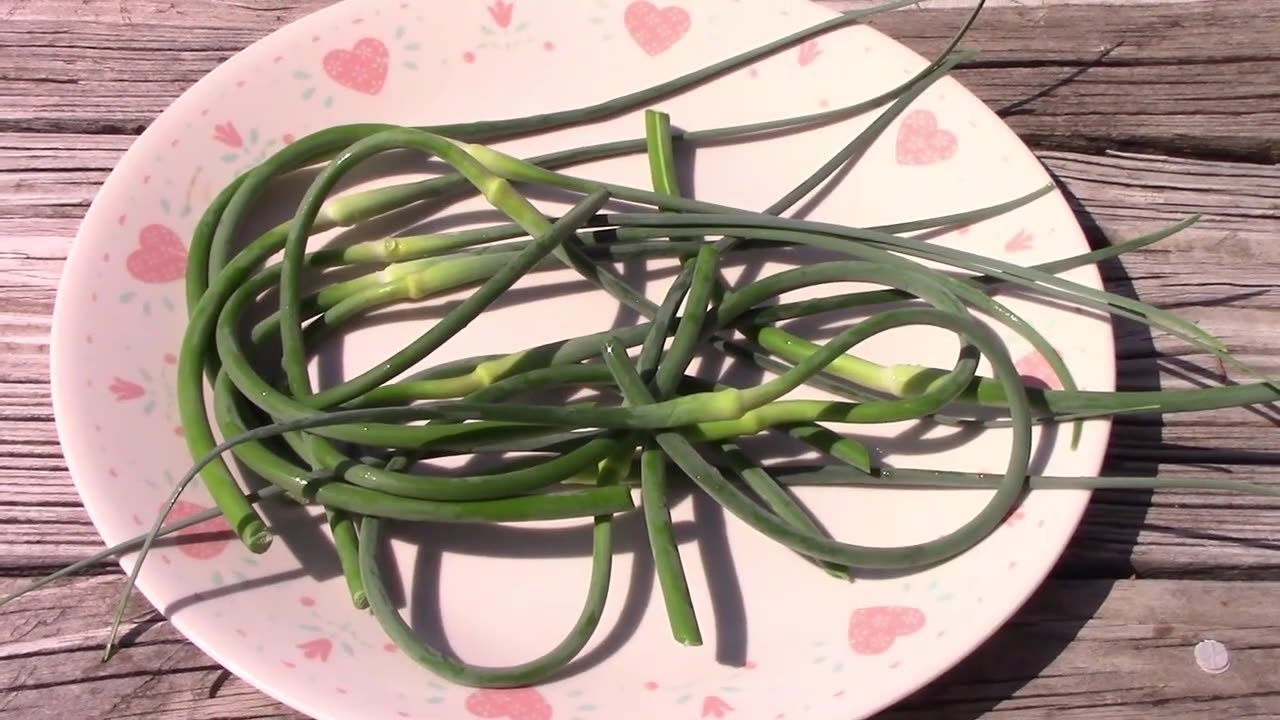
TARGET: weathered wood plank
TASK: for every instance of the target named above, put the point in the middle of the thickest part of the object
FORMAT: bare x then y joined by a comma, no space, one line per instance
1080,649
78,72
254,13
1083,650
1177,79
50,663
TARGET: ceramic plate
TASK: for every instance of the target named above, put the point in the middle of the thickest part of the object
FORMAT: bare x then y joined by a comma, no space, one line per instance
782,639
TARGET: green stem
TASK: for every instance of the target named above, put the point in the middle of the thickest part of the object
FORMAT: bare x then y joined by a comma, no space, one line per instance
347,542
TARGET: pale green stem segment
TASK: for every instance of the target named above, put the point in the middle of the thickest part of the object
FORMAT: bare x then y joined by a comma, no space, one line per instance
346,541
924,554
693,287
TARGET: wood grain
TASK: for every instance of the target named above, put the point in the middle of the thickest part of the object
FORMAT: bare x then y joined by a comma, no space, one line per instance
1145,112
1079,649
1087,78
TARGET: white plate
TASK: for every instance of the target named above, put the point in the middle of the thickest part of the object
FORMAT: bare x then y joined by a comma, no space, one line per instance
795,644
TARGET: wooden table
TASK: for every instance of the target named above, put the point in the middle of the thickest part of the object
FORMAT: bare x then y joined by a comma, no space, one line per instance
1145,112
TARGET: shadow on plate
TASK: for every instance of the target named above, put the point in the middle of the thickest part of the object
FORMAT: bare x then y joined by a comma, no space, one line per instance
1038,633
1015,655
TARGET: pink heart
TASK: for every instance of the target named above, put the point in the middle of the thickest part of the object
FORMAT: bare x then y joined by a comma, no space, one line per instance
922,142
1034,366
656,29
317,649
873,630
363,68
516,704
713,706
213,534
160,258
809,51
125,390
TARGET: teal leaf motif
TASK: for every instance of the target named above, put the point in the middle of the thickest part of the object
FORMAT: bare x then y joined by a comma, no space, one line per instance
306,94
253,136
149,407
411,65
399,32
413,46
230,157
302,74
127,296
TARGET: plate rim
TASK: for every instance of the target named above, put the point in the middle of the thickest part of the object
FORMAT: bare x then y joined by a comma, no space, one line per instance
80,464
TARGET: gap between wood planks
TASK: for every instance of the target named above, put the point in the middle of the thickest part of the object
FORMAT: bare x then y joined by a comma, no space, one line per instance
1195,79
1078,650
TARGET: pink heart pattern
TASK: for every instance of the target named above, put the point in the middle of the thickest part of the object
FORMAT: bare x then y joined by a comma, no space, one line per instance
516,704
213,534
656,29
1034,366
123,390
873,630
160,258
922,142
363,68
713,706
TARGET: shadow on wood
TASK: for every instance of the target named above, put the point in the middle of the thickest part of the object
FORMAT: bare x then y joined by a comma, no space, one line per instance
1021,651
